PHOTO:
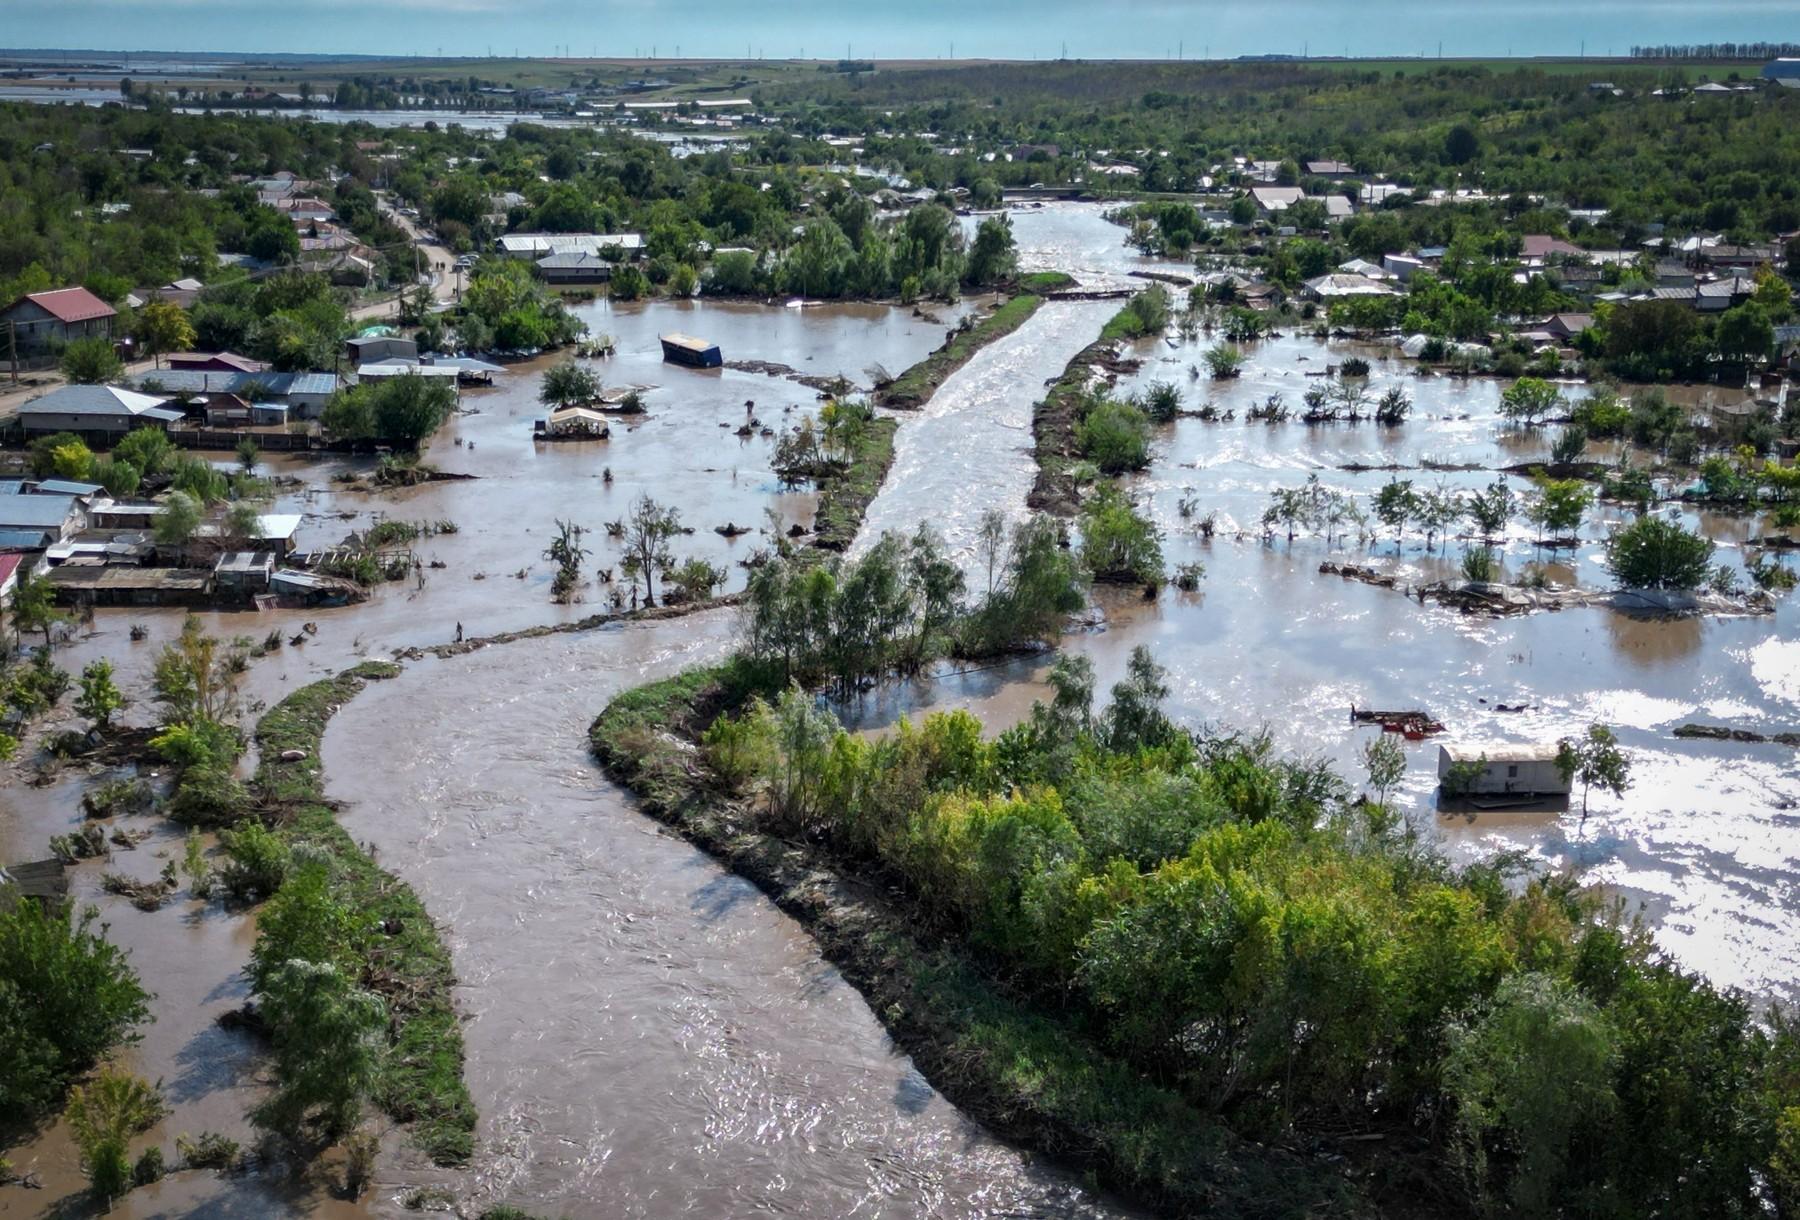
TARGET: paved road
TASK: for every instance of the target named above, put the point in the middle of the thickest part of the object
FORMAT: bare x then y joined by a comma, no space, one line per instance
436,260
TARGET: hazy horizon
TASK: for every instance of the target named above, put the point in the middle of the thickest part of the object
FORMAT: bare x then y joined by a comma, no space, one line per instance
913,29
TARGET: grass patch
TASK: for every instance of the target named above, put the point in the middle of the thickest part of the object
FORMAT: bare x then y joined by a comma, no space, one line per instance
844,498
410,966
1025,1068
1041,282
914,388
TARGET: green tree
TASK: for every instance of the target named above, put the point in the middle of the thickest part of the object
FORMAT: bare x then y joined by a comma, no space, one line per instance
1656,553
1396,504
34,607
179,518
1385,760
148,449
1529,400
1117,542
1559,507
1745,334
568,384
994,258
91,362
1115,436
1531,1077
1489,510
67,996
649,528
328,1038
100,697
407,410
1596,758
162,326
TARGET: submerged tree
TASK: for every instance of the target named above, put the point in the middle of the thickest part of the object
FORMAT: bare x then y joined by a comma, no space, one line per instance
649,528
1596,758
568,385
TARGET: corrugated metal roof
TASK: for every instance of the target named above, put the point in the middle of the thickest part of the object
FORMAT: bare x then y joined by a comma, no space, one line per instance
210,381
72,305
35,512
92,400
23,539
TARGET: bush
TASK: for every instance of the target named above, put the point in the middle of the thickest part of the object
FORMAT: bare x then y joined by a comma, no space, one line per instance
1161,402
1478,564
1115,436
198,743
1570,445
1118,544
209,795
1655,553
1224,360
256,861
67,997
103,1116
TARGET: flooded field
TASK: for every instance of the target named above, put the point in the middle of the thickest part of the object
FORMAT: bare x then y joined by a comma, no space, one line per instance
647,1036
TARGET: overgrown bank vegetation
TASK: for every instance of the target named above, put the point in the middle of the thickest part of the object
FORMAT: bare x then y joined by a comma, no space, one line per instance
1165,954
351,978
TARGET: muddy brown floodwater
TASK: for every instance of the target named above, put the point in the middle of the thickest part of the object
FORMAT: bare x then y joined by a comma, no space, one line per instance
647,1035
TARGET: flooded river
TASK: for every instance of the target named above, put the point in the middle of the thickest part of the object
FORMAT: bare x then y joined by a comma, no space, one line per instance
647,1036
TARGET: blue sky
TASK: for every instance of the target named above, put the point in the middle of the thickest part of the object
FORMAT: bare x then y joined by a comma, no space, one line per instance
898,28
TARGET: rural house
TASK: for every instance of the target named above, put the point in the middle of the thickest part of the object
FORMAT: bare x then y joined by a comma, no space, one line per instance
36,326
101,412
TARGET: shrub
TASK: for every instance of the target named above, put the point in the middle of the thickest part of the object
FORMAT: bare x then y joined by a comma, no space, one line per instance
1478,564
208,1150
209,795
198,743
103,1116
1570,445
1115,436
1224,360
256,861
1118,544
1161,402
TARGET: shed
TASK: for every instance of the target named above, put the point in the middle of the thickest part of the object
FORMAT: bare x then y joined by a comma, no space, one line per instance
245,571
686,349
582,422
369,349
1505,768
118,585
214,362
42,518
275,532
42,880
577,267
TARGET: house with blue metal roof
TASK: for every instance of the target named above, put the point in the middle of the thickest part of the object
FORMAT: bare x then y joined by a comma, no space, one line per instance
304,394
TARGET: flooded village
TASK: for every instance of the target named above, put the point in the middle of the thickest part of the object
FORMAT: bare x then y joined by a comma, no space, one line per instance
643,1030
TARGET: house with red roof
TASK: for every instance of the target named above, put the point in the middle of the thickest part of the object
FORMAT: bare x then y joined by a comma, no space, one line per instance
45,321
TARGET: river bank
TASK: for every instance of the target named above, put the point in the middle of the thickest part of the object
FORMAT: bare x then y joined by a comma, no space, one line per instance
407,964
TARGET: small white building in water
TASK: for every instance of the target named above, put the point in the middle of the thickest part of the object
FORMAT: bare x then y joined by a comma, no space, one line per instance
1502,768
